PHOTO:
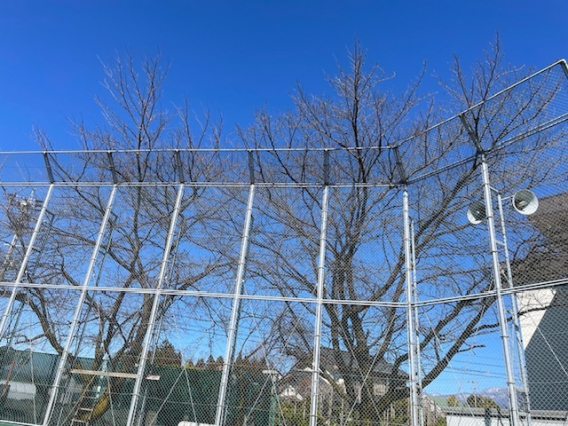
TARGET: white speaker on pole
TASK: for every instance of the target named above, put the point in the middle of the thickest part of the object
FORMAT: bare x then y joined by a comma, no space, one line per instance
476,212
525,202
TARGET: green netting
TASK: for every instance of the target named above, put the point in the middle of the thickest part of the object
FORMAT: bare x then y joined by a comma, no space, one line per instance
171,395
191,394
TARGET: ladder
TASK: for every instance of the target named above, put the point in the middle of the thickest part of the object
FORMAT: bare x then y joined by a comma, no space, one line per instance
84,411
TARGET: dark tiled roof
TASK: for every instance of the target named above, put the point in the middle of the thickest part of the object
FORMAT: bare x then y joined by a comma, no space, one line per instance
548,261
551,219
328,361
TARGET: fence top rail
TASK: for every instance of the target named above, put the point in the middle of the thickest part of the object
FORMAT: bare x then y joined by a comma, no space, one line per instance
198,150
416,154
562,63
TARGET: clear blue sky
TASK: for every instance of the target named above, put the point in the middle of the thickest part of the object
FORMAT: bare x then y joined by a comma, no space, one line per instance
234,57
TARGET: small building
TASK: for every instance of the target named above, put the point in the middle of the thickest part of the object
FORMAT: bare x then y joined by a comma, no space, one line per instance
296,386
468,416
544,312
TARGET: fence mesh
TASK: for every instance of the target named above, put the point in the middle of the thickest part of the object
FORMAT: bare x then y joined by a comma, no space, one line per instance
413,284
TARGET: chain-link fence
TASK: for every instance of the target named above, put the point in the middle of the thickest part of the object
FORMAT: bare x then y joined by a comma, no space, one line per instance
421,283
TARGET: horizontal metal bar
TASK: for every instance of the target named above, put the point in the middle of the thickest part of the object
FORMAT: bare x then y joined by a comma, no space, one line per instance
515,290
193,293
198,184
190,293
204,150
103,373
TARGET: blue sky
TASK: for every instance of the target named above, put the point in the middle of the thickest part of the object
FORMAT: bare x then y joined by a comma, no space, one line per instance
235,57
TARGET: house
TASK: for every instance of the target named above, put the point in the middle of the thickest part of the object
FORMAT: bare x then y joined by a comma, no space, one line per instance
468,416
544,312
436,406
296,386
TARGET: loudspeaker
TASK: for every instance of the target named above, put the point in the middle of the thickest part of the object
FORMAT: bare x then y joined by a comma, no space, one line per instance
476,212
525,202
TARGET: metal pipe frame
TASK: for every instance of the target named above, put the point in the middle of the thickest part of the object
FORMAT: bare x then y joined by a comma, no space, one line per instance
79,307
412,302
319,309
201,184
25,261
487,191
220,414
519,346
155,305
412,375
415,301
373,303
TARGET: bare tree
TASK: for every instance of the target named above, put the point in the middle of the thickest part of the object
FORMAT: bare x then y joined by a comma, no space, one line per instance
112,326
381,145
369,147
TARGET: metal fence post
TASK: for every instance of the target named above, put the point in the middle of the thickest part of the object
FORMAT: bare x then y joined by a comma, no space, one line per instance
518,336
498,290
412,352
25,261
320,293
78,309
155,306
234,322
416,325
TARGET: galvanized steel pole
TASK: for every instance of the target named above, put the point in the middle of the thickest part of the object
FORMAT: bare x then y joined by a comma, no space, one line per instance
234,322
416,328
319,309
78,309
412,375
515,316
498,290
25,261
155,306
320,294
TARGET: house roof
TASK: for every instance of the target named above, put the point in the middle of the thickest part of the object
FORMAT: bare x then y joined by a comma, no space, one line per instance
548,261
301,382
300,377
540,267
31,366
443,403
551,219
28,366
330,362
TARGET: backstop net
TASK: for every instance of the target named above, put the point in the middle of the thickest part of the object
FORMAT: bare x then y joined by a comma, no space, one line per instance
420,283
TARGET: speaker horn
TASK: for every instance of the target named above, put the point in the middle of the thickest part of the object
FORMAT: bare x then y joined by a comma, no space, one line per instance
525,202
476,212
